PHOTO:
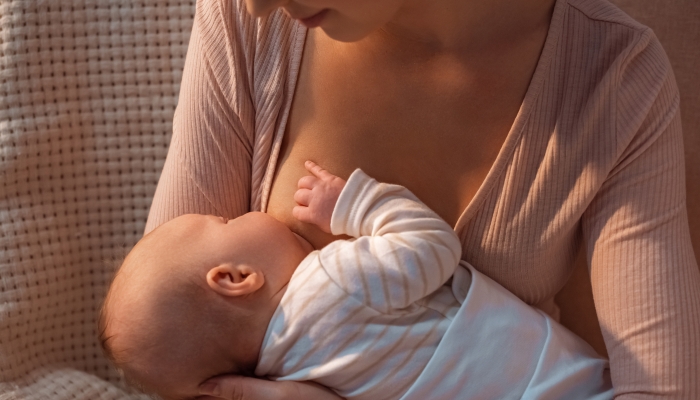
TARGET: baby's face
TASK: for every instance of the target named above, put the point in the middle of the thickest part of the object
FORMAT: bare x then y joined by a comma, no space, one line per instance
171,329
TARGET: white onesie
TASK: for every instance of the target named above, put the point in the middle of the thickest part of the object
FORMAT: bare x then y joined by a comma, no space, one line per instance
391,314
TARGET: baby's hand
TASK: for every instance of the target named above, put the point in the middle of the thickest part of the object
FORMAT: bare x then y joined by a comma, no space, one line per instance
316,196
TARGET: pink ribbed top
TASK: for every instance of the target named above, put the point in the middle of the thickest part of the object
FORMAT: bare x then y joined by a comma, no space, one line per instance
594,158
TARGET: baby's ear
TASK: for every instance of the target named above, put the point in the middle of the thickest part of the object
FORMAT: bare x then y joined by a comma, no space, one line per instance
235,280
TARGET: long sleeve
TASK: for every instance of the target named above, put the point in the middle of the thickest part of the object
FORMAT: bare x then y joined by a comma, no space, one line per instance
403,251
236,92
645,278
208,166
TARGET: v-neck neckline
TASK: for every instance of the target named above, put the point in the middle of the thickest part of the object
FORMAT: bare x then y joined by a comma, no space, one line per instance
505,154
509,144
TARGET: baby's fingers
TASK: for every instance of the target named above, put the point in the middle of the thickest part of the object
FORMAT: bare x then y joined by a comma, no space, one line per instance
307,182
317,170
303,214
242,388
303,197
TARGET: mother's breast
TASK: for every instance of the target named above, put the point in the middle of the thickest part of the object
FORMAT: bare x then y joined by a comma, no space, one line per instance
411,127
444,183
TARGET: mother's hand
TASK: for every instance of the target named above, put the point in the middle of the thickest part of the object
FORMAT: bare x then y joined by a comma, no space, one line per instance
232,387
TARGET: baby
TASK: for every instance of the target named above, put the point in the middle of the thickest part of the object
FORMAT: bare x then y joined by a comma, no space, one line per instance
389,314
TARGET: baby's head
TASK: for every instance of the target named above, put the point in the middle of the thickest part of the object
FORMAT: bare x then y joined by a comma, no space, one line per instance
193,299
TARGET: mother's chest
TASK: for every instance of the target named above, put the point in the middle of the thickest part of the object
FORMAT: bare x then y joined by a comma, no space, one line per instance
435,136
440,154
443,143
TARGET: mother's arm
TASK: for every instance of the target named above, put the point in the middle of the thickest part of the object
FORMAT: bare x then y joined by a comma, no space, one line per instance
208,167
646,283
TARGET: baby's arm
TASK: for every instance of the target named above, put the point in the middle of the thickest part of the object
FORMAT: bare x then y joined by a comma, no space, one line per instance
403,251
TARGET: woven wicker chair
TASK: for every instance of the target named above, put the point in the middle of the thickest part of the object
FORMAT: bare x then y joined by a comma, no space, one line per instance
87,94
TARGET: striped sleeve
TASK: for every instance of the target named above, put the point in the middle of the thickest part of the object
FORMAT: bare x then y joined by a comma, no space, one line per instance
403,251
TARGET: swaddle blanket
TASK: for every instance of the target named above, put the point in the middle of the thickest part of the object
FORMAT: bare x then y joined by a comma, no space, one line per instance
497,347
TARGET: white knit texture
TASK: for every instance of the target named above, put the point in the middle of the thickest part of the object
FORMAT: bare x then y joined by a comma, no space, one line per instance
87,95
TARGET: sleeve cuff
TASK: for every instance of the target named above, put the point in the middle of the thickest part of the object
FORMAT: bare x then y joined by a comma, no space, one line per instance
347,218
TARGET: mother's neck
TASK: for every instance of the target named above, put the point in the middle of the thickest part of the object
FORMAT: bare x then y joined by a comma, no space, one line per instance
466,25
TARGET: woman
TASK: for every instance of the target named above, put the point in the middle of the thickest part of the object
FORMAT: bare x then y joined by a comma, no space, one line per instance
533,127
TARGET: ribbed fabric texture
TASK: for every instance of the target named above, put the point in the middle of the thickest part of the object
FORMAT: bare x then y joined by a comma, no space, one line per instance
594,158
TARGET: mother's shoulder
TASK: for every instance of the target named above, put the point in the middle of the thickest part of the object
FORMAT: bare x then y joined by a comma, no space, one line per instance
252,59
227,26
605,11
603,54
603,33
609,85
